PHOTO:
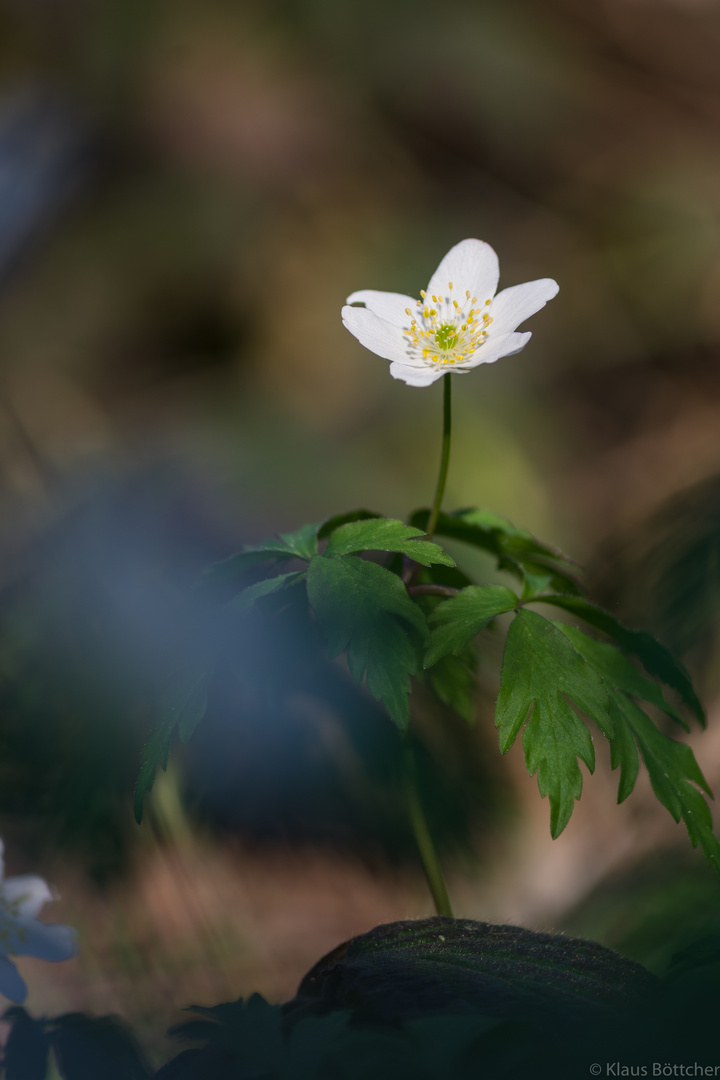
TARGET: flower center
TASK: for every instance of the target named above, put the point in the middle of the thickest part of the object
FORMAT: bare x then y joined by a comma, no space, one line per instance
446,336
444,331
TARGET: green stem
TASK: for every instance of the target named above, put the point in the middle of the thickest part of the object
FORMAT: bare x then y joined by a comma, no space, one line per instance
444,457
428,854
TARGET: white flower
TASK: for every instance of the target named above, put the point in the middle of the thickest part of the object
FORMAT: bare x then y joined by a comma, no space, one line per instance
458,322
22,933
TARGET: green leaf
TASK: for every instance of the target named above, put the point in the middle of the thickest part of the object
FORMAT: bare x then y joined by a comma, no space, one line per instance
452,679
335,522
673,772
182,706
301,544
671,765
655,658
247,597
455,622
488,519
516,550
540,672
624,753
365,609
386,534
619,671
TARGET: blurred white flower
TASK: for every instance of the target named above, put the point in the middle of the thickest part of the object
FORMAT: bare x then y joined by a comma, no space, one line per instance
22,933
457,323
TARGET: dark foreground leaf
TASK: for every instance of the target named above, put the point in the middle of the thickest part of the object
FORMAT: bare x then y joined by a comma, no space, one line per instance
27,1047
405,970
102,1048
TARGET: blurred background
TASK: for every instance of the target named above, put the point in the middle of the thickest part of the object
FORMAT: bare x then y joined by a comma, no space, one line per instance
188,192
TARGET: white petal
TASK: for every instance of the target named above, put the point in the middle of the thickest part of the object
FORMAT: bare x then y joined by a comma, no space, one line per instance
375,334
46,941
414,376
12,985
386,305
495,348
514,305
29,892
472,266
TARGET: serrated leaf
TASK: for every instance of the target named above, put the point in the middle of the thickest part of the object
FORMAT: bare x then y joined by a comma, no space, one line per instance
246,599
516,550
540,672
619,671
488,519
335,522
386,534
365,610
673,773
301,544
671,765
455,622
452,679
181,707
655,658
624,753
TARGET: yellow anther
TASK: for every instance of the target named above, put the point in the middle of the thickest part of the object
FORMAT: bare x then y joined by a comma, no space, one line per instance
488,302
449,284
456,305
426,314
435,299
422,293
439,299
474,299
464,326
467,294
408,311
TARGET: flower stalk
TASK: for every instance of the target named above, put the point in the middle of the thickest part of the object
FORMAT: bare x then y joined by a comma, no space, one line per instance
423,839
444,457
